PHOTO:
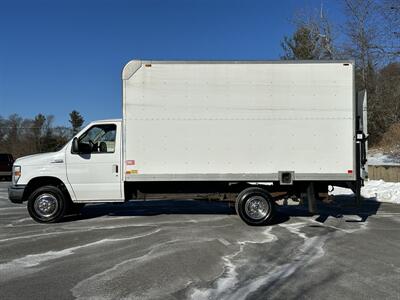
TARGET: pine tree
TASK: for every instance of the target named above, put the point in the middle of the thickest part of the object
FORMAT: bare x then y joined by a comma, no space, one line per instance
76,121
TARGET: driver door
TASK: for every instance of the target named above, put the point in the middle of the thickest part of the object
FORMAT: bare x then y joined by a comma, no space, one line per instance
95,174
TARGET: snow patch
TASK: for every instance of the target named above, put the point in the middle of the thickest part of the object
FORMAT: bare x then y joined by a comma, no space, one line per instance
380,159
94,286
377,190
32,260
229,281
228,285
32,236
310,251
295,228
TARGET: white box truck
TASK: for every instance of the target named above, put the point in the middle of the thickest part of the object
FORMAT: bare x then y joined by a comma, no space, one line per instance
220,129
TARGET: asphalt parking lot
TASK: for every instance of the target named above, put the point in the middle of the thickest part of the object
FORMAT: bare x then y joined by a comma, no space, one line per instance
201,250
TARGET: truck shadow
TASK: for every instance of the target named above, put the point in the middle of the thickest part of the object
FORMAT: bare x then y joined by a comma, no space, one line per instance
155,207
340,207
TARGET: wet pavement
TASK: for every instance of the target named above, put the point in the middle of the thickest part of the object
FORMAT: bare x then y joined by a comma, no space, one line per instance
201,250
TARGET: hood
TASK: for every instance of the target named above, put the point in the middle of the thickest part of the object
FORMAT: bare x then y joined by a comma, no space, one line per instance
40,159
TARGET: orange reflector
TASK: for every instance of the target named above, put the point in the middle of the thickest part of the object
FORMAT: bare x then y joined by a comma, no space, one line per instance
130,162
132,172
147,65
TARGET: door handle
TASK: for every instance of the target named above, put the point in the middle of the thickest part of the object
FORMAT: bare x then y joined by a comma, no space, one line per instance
115,168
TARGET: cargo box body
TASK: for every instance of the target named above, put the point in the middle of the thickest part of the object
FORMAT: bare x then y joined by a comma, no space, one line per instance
238,121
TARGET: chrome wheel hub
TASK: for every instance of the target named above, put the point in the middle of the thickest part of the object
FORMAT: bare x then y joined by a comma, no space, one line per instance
257,207
46,205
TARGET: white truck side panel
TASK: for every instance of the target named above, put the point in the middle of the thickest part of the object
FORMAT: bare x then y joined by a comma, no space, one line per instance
215,121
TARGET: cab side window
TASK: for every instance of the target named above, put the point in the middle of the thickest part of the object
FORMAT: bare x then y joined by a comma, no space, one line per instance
99,139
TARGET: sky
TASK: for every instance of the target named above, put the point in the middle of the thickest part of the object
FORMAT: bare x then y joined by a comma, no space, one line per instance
57,56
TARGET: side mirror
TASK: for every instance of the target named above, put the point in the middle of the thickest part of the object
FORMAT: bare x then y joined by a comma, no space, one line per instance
75,145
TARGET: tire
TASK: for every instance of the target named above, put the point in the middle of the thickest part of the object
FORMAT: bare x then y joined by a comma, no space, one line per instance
47,204
255,206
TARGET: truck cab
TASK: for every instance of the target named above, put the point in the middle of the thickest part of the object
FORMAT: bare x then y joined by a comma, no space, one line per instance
87,169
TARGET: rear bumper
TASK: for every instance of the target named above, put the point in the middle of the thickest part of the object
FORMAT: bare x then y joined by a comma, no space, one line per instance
16,193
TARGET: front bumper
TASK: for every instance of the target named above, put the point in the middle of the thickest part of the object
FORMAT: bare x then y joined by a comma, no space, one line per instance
16,193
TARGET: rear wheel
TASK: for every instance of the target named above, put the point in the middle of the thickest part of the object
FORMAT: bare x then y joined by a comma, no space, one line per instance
47,204
255,206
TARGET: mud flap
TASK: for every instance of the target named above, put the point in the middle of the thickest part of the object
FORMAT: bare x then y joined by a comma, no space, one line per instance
357,191
312,201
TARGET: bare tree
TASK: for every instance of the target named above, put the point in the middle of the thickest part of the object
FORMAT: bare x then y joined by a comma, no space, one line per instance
24,136
390,13
313,38
363,38
3,132
364,43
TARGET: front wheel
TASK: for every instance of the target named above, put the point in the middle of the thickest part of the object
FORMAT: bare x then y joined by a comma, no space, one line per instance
47,204
255,206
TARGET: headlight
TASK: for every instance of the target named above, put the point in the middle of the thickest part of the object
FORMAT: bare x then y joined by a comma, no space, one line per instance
16,174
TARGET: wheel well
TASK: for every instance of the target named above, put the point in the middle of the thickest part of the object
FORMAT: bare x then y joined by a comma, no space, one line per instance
38,182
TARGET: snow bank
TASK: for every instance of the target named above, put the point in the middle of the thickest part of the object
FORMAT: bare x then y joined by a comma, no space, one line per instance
380,159
377,190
